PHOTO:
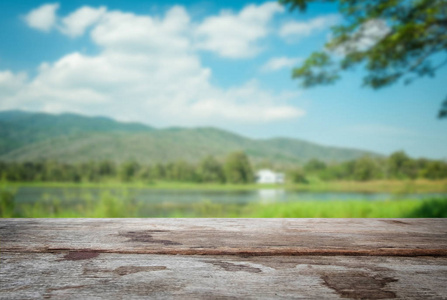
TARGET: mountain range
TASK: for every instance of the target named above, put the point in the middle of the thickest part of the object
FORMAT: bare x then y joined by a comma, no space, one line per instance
70,138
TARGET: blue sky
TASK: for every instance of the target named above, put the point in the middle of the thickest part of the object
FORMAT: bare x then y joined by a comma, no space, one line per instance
204,63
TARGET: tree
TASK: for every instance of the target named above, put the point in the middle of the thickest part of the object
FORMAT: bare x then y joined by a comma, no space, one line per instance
435,170
297,176
181,171
159,172
365,169
392,39
128,170
211,170
106,168
238,169
443,111
145,173
314,165
53,171
399,165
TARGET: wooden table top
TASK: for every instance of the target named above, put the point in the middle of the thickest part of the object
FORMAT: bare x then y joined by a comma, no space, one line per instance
223,258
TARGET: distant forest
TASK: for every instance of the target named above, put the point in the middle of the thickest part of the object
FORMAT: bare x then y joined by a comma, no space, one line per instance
236,168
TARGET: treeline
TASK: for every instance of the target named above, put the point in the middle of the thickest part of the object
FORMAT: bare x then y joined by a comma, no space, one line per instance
397,166
235,168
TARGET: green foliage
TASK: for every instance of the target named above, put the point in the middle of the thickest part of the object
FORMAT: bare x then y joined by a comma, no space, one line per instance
106,168
181,171
392,39
365,169
443,111
115,206
121,203
435,170
158,171
7,204
342,171
401,166
238,169
352,209
435,208
128,170
319,60
397,166
314,165
211,170
145,174
297,176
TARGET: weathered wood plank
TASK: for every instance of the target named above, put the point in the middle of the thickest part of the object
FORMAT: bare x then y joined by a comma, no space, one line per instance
119,258
129,276
386,237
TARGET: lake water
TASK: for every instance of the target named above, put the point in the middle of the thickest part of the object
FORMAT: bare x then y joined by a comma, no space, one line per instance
153,196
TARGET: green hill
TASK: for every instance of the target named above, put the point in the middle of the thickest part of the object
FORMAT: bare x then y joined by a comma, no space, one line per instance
18,128
75,138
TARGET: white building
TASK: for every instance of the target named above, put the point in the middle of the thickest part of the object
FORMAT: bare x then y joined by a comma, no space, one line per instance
268,176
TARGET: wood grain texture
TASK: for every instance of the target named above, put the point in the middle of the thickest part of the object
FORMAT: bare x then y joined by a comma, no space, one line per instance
133,276
223,258
386,237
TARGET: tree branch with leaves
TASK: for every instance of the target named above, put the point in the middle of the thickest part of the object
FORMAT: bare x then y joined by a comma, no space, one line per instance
393,39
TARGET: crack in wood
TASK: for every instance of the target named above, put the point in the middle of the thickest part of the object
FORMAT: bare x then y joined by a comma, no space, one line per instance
145,236
80,255
124,270
231,267
49,291
248,252
396,222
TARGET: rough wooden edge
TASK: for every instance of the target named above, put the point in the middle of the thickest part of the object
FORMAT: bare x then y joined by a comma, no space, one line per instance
249,252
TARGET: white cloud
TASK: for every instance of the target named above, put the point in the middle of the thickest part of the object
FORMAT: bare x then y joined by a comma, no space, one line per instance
294,30
236,35
249,103
42,18
77,22
147,70
127,32
369,34
10,83
277,63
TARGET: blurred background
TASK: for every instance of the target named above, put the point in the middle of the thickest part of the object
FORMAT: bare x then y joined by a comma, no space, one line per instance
223,109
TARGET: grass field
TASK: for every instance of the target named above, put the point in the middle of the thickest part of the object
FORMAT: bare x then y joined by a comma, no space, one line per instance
124,205
376,186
